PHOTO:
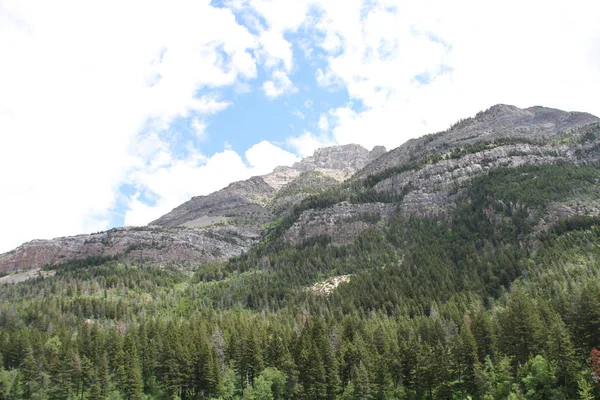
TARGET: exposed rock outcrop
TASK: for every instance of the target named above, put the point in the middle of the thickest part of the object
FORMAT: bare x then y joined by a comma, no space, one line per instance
498,122
428,191
342,222
244,200
327,287
350,156
307,183
160,245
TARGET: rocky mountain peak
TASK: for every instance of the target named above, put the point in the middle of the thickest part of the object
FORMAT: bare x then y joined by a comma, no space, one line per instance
349,156
376,152
499,122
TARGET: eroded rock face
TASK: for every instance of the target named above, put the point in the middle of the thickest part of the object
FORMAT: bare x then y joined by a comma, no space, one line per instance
327,287
245,201
281,176
350,156
160,245
307,183
498,122
242,200
343,222
432,189
230,219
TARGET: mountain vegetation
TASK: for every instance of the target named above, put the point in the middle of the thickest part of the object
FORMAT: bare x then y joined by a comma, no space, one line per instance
496,298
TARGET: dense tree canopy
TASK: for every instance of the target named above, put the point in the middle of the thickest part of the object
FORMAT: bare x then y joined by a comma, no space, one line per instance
484,305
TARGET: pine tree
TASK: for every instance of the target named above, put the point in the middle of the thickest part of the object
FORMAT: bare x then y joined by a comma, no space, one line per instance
521,327
311,371
484,334
29,376
587,320
58,370
132,384
469,359
561,351
381,358
361,382
172,373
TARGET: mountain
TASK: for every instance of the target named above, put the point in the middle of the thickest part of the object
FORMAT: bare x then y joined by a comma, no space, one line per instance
205,228
463,264
247,202
500,122
428,174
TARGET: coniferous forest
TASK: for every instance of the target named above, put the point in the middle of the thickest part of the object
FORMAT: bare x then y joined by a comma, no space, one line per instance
488,303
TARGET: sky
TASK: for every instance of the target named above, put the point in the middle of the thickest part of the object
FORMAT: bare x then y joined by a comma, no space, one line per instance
113,112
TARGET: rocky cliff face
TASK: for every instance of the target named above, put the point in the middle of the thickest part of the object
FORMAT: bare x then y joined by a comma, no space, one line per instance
497,123
351,156
431,189
307,183
341,222
160,245
242,201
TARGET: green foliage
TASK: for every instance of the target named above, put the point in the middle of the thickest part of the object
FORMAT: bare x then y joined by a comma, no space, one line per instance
539,379
477,306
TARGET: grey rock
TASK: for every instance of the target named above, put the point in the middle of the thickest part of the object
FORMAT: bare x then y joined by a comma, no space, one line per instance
337,157
247,200
156,244
498,122
343,222
232,217
307,183
244,200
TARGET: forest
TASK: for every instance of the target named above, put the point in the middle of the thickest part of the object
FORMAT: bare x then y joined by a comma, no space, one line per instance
493,302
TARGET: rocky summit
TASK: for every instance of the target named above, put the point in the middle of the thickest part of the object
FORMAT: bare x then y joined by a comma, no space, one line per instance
341,191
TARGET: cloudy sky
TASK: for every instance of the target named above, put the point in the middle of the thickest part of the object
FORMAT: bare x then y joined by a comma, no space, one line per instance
114,112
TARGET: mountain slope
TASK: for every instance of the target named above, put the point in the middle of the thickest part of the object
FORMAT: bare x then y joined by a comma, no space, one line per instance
499,122
245,202
172,246
219,225
351,293
425,177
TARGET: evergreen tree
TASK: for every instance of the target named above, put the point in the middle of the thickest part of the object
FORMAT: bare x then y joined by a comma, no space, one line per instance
521,327
132,383
539,379
29,378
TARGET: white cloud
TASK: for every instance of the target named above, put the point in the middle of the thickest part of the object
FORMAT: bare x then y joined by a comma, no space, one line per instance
328,79
306,144
415,68
78,84
323,123
263,157
473,55
208,105
277,50
279,84
297,113
199,128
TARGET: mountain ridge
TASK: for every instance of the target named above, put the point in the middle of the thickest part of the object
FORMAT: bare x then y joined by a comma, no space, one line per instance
423,176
